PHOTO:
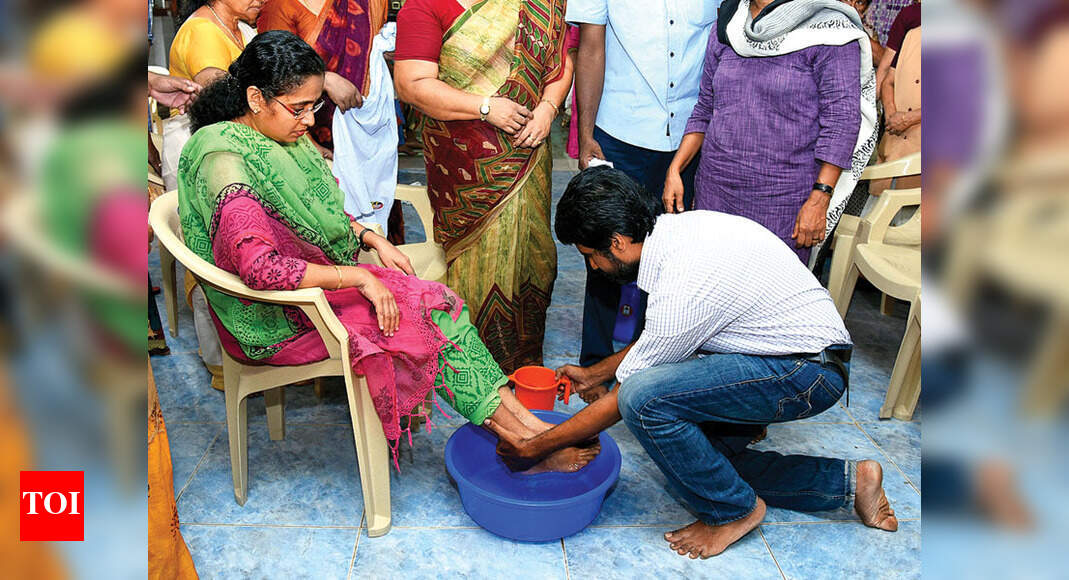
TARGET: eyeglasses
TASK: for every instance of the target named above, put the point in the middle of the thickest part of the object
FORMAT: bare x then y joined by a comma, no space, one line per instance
298,114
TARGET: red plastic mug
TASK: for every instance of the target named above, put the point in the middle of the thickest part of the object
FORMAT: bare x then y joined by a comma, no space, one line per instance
537,387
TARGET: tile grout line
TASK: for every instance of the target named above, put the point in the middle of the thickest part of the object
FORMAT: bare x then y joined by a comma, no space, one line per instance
285,526
352,561
909,482
770,552
564,550
196,468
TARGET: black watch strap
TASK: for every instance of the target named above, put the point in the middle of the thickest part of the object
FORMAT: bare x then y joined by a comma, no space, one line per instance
824,187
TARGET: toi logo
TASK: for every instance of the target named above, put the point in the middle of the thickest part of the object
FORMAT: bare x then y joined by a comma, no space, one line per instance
50,505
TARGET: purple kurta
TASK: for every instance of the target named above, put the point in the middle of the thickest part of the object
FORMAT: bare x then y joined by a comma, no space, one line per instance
769,123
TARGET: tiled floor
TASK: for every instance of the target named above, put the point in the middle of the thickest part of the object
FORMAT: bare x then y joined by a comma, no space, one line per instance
303,518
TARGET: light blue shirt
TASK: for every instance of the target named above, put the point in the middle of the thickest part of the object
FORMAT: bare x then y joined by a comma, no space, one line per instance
654,51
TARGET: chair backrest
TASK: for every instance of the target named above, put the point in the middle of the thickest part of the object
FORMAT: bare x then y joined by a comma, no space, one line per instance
873,227
165,222
904,167
20,219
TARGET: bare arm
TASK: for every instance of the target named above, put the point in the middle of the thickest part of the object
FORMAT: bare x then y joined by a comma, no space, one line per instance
417,83
208,75
887,94
673,181
589,81
883,68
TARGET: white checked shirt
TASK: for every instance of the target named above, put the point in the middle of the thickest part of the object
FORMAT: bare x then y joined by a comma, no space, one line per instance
719,283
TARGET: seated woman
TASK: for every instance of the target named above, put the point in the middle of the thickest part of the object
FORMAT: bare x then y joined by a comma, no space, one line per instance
256,199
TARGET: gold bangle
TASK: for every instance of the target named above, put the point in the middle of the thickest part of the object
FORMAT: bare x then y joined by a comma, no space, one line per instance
556,109
338,270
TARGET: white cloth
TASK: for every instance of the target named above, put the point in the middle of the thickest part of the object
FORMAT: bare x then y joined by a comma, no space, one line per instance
365,141
801,24
720,283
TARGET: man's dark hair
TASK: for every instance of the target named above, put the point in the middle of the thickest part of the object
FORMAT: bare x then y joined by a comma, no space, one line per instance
601,202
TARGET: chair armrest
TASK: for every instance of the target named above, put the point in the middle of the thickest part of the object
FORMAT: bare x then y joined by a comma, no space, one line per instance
417,196
908,165
873,227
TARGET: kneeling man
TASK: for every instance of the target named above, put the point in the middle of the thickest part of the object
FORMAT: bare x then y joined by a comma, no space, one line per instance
739,334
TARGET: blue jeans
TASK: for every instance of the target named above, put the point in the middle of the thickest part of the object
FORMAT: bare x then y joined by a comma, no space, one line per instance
696,418
602,296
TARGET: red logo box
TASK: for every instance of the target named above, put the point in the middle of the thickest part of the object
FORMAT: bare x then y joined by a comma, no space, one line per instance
51,506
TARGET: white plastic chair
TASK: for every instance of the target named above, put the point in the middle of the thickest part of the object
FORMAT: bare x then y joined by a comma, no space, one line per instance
895,271
907,234
242,380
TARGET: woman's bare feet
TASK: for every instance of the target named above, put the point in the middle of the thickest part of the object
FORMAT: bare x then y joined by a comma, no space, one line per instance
870,502
567,460
703,540
532,423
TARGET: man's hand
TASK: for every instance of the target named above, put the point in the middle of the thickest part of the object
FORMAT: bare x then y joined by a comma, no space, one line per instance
588,149
173,92
514,450
583,382
812,220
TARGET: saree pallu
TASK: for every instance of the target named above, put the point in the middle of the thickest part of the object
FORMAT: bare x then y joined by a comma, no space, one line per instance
491,200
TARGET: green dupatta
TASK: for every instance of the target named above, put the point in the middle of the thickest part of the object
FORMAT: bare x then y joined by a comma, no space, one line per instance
293,184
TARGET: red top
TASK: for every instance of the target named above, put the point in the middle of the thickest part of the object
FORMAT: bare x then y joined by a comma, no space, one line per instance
908,19
421,24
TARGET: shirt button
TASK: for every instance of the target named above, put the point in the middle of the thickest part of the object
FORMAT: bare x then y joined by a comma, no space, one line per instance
672,55
918,81
671,85
671,22
671,114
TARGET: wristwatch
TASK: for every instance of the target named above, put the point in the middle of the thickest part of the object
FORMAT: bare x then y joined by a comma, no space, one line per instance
484,109
824,187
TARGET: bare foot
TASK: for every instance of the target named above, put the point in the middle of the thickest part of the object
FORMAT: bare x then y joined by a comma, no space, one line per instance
567,460
870,502
997,496
703,540
760,436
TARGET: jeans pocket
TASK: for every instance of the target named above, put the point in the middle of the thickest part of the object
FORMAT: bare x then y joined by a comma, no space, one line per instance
798,406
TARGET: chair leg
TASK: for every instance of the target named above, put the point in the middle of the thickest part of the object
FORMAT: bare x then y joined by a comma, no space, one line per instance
887,305
840,262
905,378
167,267
1046,386
275,401
237,429
372,455
846,291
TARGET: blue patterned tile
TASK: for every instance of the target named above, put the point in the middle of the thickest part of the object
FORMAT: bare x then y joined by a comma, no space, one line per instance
643,553
841,441
569,288
309,478
836,414
264,552
846,550
189,442
901,441
563,331
422,495
454,553
640,497
186,395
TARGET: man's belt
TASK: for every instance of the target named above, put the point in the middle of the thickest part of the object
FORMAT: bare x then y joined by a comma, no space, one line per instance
836,356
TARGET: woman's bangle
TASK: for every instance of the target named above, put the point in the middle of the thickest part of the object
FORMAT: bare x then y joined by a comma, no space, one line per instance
556,109
338,271
364,246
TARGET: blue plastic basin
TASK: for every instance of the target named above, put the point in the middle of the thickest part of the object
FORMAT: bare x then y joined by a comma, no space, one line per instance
529,508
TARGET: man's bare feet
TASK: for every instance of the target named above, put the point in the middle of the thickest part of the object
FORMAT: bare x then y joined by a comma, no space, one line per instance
567,460
870,502
703,540
999,499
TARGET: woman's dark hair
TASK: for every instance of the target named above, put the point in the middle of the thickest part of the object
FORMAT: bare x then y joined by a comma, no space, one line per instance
275,62
601,202
186,8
